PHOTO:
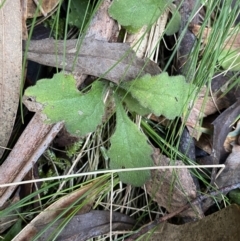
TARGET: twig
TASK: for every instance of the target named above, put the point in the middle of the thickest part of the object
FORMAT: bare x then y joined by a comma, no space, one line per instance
30,146
197,200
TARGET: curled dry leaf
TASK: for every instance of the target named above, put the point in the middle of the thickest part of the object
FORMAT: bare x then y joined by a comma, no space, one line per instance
232,138
172,188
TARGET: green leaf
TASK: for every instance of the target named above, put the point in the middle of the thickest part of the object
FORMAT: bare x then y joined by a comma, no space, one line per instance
162,94
56,24
79,13
134,14
129,149
174,23
234,195
62,101
230,59
132,104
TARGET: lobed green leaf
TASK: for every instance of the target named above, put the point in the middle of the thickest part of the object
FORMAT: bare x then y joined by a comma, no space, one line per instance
129,149
162,94
134,14
63,102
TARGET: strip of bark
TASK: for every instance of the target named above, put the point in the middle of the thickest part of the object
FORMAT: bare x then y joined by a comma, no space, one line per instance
30,146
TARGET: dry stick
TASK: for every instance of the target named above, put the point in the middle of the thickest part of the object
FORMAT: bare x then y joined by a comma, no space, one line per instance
197,200
31,144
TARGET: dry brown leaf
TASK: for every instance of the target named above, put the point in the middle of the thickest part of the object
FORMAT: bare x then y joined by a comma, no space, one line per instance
102,26
89,225
46,5
205,143
232,42
222,225
172,188
11,67
230,174
113,61
204,106
222,127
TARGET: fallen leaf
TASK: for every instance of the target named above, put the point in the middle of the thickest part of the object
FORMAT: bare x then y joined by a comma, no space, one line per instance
172,188
222,225
113,61
85,226
11,67
230,174
222,126
229,55
55,209
232,42
46,5
204,105
205,143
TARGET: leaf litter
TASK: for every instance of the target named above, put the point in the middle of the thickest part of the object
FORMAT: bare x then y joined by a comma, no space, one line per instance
171,188
180,182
